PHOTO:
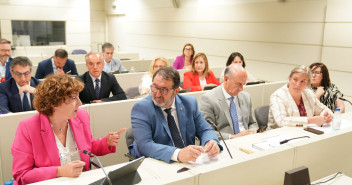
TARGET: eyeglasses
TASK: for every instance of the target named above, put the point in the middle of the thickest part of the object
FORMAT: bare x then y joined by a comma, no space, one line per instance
26,74
5,50
158,66
163,91
317,73
188,49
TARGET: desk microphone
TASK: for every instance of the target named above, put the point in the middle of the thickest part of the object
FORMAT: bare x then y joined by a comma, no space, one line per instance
343,99
100,165
216,128
287,140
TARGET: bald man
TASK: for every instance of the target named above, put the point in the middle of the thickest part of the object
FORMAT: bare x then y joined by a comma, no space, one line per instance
98,85
228,106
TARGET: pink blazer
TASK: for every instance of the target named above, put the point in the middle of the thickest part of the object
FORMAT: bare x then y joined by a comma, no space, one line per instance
180,62
35,154
191,80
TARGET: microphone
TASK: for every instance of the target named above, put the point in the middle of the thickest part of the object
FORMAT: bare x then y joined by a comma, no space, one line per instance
287,140
101,166
216,128
343,99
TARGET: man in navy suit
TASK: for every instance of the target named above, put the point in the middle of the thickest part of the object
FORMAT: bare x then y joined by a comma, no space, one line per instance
16,94
58,64
169,134
5,58
98,85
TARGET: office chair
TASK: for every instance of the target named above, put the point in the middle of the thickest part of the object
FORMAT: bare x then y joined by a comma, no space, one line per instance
262,115
129,141
132,92
79,51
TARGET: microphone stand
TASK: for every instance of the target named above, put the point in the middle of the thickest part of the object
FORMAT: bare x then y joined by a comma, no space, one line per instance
343,99
216,128
101,166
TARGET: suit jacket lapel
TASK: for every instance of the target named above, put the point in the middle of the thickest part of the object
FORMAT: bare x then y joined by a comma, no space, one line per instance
90,86
162,120
181,114
15,98
48,139
77,129
224,106
244,110
104,84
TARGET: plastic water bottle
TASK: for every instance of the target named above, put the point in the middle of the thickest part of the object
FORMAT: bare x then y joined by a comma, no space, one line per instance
336,121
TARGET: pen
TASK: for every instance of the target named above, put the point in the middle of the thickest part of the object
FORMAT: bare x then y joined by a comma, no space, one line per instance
246,150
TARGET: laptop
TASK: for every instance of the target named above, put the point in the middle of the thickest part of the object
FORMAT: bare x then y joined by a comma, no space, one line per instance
184,90
124,175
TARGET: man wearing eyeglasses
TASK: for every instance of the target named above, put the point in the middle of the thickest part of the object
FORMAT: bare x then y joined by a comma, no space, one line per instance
16,94
165,124
5,58
111,64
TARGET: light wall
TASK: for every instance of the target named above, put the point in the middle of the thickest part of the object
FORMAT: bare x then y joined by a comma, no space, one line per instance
273,36
76,13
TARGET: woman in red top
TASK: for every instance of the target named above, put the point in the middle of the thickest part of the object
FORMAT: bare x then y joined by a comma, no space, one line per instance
200,75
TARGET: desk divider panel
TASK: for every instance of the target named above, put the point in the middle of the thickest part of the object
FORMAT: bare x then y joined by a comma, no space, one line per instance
264,168
111,117
322,155
269,89
8,125
127,80
256,92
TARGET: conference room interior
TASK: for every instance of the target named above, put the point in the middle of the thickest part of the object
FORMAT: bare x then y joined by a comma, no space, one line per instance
274,36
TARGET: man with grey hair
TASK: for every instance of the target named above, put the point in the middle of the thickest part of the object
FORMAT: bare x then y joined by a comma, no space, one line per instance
98,85
5,58
16,94
228,106
111,64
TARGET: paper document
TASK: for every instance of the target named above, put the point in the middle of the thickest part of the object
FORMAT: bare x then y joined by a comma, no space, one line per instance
204,158
270,142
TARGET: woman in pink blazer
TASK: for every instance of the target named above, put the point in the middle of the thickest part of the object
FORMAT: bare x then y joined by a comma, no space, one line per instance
50,143
200,75
185,60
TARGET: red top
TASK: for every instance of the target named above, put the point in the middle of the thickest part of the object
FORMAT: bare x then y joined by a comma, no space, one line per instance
191,80
301,109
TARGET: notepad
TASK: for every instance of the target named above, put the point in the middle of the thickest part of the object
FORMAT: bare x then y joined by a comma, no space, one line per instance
269,142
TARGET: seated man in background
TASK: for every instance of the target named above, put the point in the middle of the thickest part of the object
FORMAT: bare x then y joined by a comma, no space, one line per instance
228,106
5,58
16,94
111,64
165,124
58,64
98,84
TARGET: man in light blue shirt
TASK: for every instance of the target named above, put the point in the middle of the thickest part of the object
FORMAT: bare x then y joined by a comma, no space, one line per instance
111,64
5,58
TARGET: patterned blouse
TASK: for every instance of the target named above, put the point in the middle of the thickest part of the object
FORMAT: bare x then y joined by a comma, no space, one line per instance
330,96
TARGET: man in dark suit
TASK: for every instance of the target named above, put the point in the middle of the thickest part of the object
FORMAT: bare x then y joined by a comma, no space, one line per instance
228,106
58,64
165,124
16,94
98,84
5,58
